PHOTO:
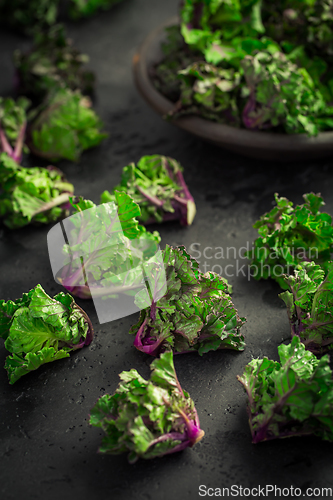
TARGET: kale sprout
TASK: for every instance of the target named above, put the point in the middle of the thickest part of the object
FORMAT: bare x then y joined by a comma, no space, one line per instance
38,329
290,398
39,195
52,63
157,185
186,310
289,235
147,418
309,301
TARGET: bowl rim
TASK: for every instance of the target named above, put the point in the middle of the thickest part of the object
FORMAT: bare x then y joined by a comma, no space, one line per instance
217,133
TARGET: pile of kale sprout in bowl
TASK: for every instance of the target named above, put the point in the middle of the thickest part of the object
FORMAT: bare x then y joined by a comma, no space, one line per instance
250,65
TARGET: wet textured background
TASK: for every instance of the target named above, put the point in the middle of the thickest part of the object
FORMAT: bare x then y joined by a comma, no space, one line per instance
47,449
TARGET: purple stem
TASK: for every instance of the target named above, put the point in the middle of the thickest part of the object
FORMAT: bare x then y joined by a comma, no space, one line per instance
151,349
176,436
312,346
17,154
182,183
261,435
250,106
251,123
6,147
90,332
180,204
153,199
137,341
58,201
180,200
84,291
177,448
194,433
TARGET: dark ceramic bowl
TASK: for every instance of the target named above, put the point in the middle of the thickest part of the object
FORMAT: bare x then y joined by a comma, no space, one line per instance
256,144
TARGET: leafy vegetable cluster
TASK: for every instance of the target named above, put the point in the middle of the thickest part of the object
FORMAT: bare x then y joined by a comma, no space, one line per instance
262,66
64,127
289,235
248,63
31,194
208,91
29,15
61,127
52,63
85,8
217,28
157,185
147,418
211,26
309,301
290,398
38,329
176,56
281,94
63,124
305,22
185,309
13,124
26,16
112,245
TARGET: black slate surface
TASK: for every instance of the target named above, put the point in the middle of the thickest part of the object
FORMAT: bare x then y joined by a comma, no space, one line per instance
47,449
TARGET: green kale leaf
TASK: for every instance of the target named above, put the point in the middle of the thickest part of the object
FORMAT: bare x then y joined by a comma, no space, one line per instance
13,123
65,126
305,22
147,418
86,8
309,302
106,247
280,94
157,185
39,195
38,329
207,24
209,92
192,312
290,398
252,64
289,235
